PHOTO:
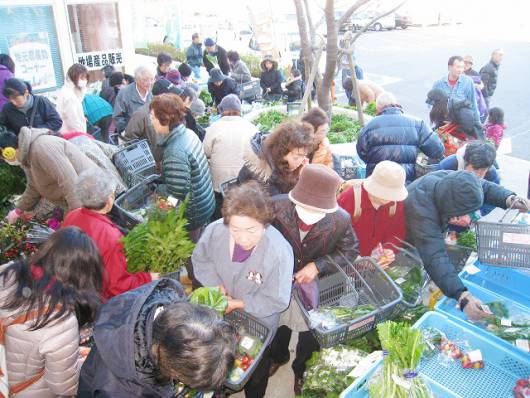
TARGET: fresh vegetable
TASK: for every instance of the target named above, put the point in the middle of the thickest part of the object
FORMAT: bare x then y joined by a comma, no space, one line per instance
204,119
409,279
13,183
161,244
404,347
331,317
249,345
13,244
327,373
206,97
450,349
472,360
343,129
210,297
268,121
248,349
522,388
467,239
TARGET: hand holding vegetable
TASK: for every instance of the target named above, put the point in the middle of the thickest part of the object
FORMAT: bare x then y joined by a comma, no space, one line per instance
234,304
384,257
472,307
307,274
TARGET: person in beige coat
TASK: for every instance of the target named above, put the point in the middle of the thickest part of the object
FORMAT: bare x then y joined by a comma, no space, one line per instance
51,165
43,353
70,100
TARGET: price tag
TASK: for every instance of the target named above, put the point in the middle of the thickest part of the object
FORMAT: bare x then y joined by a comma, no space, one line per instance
472,269
399,281
401,382
486,309
506,322
511,330
172,201
523,344
475,356
247,343
365,364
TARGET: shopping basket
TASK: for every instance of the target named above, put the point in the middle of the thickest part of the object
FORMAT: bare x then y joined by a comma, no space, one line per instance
135,162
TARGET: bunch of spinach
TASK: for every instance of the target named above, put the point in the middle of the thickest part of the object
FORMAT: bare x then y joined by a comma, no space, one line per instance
210,297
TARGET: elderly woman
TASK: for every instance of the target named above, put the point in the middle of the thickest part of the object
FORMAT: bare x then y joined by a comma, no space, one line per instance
250,261
70,100
277,159
95,191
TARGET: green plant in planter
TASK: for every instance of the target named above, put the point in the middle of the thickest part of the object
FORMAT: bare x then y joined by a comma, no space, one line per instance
268,121
153,49
343,129
13,182
253,63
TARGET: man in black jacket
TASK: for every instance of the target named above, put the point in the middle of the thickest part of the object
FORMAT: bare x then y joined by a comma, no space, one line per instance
489,73
311,221
220,86
438,199
215,56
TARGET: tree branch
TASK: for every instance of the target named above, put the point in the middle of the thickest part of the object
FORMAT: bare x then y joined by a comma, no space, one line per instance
312,32
350,11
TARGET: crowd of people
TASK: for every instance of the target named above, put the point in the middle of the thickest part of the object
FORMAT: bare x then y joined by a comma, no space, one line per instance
287,217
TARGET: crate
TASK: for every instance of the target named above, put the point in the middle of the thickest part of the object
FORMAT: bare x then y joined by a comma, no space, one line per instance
449,307
253,326
369,283
134,199
501,371
407,263
502,243
506,282
349,167
250,91
458,255
225,186
135,162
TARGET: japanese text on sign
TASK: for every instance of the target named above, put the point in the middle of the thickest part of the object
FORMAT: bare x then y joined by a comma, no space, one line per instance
99,59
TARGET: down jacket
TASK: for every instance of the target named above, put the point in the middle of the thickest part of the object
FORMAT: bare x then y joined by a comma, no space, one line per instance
432,201
121,365
54,347
271,78
51,165
488,74
395,136
46,117
185,171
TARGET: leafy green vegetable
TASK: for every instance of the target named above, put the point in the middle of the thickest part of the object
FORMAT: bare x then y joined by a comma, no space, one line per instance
467,239
249,345
343,129
411,287
206,97
13,183
371,109
499,309
159,245
204,119
346,314
210,297
268,121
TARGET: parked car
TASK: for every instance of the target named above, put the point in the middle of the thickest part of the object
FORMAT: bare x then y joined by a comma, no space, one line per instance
402,21
362,19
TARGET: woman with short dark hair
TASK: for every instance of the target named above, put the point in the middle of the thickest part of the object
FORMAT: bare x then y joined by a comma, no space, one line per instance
70,100
238,69
26,109
250,261
149,339
44,300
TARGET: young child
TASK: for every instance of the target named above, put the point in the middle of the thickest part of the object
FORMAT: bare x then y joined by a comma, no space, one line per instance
495,126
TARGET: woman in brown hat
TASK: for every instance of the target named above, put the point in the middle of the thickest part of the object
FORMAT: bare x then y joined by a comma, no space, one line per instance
315,226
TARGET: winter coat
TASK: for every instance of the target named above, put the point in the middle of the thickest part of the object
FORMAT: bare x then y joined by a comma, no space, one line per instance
456,162
272,258
229,86
495,132
107,238
222,60
331,236
194,55
185,172
109,94
96,108
121,365
127,102
141,128
101,154
489,74
294,90
240,73
70,107
46,117
323,154
374,226
54,348
51,165
224,145
5,74
395,136
432,201
271,78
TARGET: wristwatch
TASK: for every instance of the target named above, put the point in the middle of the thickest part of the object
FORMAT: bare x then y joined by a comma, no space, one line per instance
464,301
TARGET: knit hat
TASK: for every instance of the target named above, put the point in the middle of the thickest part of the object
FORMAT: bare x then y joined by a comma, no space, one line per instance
216,76
316,189
185,70
387,182
209,42
164,86
173,76
230,103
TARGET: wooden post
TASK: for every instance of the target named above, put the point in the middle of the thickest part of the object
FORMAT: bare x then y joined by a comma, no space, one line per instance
355,91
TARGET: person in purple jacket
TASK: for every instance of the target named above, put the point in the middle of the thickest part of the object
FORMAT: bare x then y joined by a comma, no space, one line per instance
7,71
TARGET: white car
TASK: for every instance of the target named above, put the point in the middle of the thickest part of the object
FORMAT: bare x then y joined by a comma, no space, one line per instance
361,19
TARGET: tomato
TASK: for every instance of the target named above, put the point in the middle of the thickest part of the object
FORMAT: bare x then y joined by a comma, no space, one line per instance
245,366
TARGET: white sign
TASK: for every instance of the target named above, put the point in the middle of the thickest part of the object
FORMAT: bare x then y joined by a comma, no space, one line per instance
33,59
98,59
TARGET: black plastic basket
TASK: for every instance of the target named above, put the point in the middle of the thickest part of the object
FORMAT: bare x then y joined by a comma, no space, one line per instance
501,242
242,320
135,162
458,255
134,199
224,187
363,278
250,91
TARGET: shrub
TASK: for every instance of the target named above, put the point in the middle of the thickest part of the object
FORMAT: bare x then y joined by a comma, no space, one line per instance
253,64
153,49
13,183
268,121
343,129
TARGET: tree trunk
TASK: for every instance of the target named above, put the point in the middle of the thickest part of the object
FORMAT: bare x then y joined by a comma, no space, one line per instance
309,85
355,91
305,44
324,95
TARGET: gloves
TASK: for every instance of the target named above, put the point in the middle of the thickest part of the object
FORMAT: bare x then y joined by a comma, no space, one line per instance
518,202
472,307
13,216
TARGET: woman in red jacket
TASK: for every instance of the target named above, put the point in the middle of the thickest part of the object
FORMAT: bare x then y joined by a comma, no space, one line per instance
376,209
95,190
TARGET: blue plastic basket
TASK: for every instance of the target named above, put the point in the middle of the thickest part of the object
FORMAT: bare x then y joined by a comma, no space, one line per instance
448,306
507,282
501,371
